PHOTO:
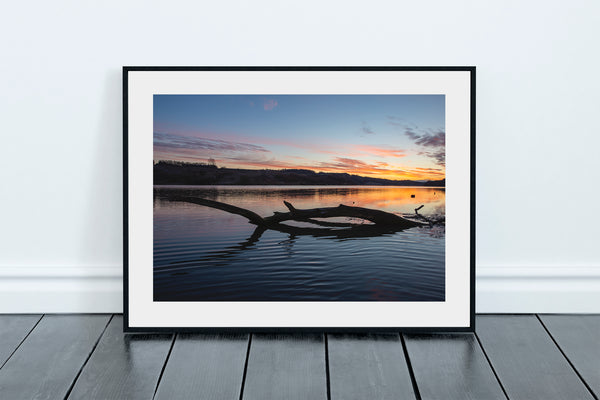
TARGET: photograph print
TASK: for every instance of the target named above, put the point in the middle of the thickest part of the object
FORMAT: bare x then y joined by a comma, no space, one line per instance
299,197
287,199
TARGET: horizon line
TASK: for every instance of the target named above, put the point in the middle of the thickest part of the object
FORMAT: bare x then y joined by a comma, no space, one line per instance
297,169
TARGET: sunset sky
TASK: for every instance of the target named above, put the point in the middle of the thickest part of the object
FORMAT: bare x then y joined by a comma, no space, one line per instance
382,136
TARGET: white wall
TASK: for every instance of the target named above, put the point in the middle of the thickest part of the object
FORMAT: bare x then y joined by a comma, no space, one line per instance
538,99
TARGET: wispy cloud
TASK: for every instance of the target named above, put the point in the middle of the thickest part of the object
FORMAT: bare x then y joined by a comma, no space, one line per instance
198,149
344,164
437,139
256,161
357,167
432,142
411,134
429,169
381,151
366,129
269,104
377,169
260,142
170,141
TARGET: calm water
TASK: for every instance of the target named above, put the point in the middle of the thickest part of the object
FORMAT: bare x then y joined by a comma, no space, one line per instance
204,254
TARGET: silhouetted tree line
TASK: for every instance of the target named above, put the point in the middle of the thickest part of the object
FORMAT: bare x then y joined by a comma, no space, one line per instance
185,173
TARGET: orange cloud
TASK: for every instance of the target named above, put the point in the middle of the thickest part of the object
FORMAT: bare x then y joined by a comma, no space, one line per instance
381,151
346,165
377,170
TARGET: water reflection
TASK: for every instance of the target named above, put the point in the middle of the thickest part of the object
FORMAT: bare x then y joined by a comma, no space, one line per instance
267,199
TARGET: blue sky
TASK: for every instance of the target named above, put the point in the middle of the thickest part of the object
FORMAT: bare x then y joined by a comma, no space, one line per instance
388,136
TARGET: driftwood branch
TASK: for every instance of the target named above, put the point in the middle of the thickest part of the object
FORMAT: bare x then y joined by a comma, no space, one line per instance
252,216
378,217
419,216
430,221
318,222
383,222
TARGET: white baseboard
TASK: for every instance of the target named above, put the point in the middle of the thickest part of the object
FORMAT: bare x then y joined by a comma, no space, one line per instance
498,290
51,289
538,290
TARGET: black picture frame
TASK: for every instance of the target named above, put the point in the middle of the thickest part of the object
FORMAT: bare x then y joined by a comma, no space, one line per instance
129,327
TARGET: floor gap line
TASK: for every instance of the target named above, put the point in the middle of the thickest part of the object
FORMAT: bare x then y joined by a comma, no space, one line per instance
162,371
246,366
21,342
566,358
327,373
87,358
411,372
490,364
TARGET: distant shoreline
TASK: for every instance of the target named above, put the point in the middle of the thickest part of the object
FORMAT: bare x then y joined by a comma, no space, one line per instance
178,173
158,186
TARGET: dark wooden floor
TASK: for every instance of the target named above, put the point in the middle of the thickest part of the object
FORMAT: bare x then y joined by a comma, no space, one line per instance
510,356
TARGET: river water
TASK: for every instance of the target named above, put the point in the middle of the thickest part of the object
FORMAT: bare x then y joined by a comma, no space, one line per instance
205,254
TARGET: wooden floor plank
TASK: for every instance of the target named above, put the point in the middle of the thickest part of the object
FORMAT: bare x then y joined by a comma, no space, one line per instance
368,367
13,329
48,361
286,367
123,366
579,338
451,367
205,367
526,360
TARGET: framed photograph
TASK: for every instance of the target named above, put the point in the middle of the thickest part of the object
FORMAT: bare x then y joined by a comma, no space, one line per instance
299,198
